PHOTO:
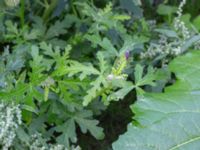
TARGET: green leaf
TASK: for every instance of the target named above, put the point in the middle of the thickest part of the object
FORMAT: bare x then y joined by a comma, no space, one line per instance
132,6
98,84
15,93
141,80
22,135
166,9
11,27
104,19
29,108
129,43
169,120
94,90
196,22
86,123
84,70
107,45
167,32
39,25
68,132
120,94
190,42
102,63
59,28
174,133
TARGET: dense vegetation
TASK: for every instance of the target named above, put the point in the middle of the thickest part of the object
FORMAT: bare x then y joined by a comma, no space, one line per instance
99,75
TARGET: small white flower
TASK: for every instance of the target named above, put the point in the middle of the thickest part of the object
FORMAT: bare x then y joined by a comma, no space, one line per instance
180,25
177,50
110,77
10,119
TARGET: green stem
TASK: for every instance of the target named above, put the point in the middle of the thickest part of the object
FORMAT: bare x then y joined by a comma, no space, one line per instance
40,3
46,93
92,2
22,11
170,18
74,9
49,9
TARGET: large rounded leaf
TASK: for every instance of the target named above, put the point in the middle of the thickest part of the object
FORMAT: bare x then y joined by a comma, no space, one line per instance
169,120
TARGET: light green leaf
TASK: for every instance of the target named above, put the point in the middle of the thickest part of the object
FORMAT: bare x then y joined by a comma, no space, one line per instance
84,70
102,63
94,90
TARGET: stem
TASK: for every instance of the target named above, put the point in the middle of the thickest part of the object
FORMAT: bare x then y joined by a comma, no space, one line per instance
170,18
74,9
40,3
22,11
49,9
92,2
46,93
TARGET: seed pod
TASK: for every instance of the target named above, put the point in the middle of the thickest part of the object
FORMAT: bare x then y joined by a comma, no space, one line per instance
12,3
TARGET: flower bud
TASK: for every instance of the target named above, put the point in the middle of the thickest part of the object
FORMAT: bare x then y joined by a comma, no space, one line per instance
110,77
127,54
